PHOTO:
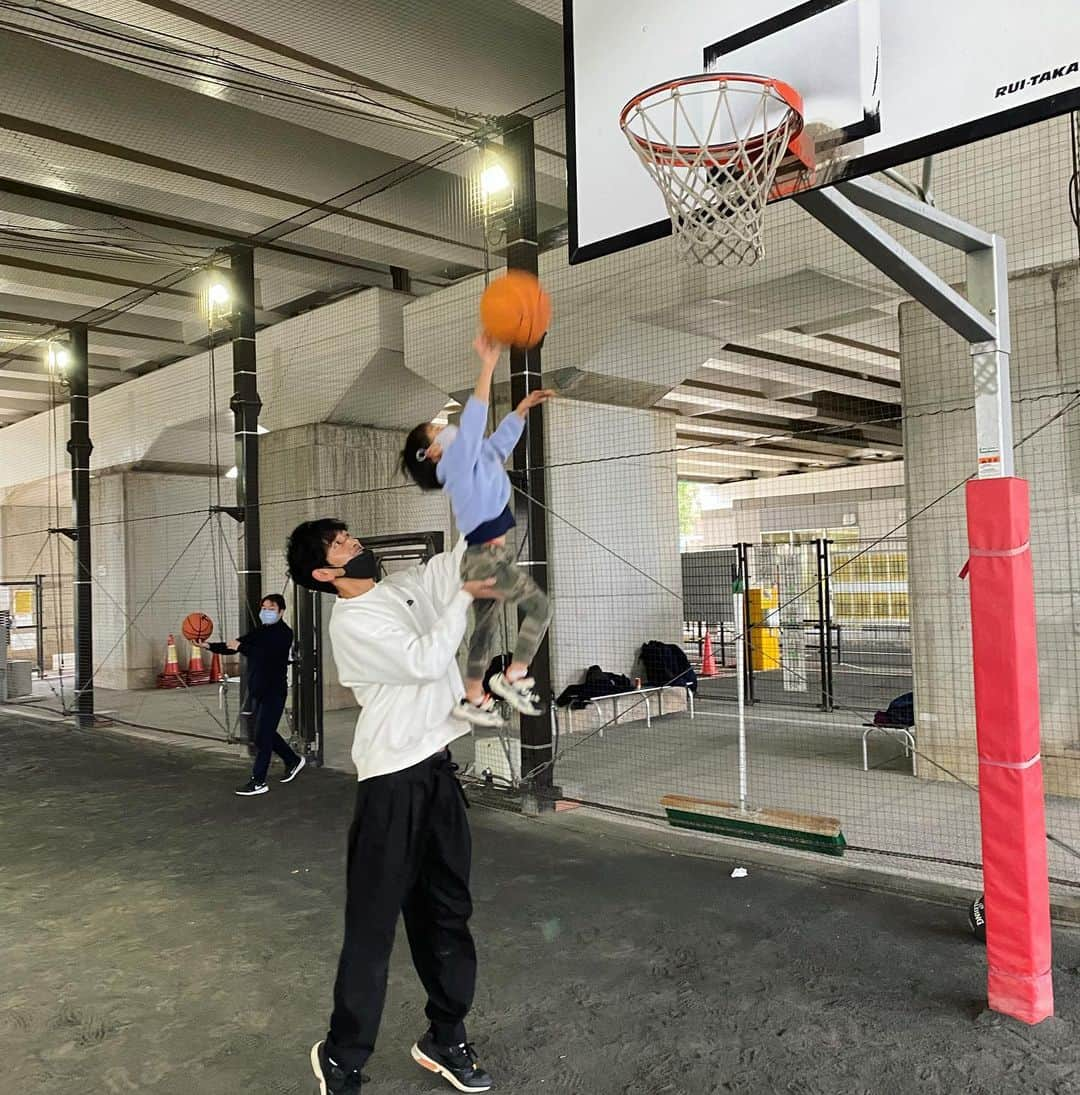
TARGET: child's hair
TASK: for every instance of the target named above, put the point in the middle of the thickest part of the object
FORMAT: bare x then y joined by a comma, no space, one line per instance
420,470
276,600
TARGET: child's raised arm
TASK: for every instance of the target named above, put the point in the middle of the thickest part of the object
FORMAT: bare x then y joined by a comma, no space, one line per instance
489,351
462,454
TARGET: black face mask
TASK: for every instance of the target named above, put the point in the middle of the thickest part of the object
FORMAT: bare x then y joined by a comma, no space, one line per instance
364,565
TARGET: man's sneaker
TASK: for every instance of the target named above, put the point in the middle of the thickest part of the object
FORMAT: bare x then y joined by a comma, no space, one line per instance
520,694
479,714
252,788
333,1079
456,1064
294,771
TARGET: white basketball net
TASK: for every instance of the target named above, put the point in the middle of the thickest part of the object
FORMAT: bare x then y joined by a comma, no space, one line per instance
713,146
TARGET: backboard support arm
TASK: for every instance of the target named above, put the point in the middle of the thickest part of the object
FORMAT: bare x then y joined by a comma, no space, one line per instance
981,317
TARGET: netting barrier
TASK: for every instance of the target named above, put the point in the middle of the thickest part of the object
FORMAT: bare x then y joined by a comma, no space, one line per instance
801,422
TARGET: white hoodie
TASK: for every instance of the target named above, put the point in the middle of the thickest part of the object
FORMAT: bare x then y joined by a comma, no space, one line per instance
396,648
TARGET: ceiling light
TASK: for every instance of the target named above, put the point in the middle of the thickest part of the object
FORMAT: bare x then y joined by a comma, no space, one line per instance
494,180
217,295
57,357
496,188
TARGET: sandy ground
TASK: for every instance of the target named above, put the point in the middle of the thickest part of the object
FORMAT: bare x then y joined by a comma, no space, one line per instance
161,935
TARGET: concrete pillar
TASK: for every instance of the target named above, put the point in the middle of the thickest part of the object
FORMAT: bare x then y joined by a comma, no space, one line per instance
605,498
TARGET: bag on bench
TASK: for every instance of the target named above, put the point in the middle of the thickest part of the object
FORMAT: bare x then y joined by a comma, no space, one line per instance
667,664
597,683
901,712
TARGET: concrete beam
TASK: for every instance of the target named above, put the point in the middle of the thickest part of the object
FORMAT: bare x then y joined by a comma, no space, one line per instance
713,397
741,457
803,375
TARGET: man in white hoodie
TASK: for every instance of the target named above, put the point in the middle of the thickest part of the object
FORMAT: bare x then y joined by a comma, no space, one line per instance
395,645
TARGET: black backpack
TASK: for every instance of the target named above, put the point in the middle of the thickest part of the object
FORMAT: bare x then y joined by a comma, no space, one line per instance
901,712
667,664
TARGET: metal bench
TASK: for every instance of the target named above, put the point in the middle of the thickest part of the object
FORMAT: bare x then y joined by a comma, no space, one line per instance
906,734
646,692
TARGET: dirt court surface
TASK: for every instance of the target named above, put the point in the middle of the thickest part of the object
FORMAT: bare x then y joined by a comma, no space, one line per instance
161,935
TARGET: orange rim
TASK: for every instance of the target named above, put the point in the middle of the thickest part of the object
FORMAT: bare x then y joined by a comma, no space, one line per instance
686,155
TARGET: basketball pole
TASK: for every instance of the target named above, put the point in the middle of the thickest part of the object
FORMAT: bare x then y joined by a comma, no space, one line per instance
1001,587
246,404
523,253
80,447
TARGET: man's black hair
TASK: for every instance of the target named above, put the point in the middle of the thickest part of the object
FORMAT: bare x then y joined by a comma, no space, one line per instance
422,472
275,599
306,551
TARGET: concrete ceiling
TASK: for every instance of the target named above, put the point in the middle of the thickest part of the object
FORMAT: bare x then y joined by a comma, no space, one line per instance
141,138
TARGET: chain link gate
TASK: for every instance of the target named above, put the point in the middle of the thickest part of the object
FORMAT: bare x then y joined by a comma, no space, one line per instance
825,625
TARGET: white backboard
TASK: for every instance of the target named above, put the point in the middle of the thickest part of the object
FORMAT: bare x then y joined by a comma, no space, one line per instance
884,82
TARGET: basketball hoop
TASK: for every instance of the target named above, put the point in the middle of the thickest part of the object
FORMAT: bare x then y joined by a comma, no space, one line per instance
716,145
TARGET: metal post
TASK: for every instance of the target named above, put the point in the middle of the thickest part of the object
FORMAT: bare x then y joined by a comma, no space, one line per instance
826,558
522,253
740,693
80,447
304,681
823,633
988,290
298,674
39,622
317,634
246,405
746,637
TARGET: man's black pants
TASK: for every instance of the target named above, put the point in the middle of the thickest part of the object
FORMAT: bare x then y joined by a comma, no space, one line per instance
268,741
409,851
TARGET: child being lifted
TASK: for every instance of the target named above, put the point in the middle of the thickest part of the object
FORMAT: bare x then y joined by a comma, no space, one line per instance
470,468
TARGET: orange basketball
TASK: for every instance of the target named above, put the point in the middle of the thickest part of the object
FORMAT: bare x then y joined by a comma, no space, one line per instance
197,627
515,310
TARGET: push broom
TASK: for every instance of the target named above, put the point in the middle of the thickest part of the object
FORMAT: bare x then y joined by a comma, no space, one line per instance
785,827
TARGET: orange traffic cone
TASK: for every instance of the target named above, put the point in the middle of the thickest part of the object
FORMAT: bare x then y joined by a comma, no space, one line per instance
216,676
170,676
708,662
196,674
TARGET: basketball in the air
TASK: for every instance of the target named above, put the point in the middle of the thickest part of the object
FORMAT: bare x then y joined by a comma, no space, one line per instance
515,310
197,627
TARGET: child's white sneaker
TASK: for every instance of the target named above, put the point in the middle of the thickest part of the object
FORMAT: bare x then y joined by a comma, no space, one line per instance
479,714
520,694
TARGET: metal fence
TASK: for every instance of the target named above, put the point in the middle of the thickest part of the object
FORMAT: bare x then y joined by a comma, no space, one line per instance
825,626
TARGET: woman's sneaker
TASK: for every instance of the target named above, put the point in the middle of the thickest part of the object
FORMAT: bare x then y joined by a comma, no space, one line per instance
294,771
479,714
458,1065
252,788
520,694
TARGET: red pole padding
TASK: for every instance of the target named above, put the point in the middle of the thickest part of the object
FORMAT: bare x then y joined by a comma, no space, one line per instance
1012,809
